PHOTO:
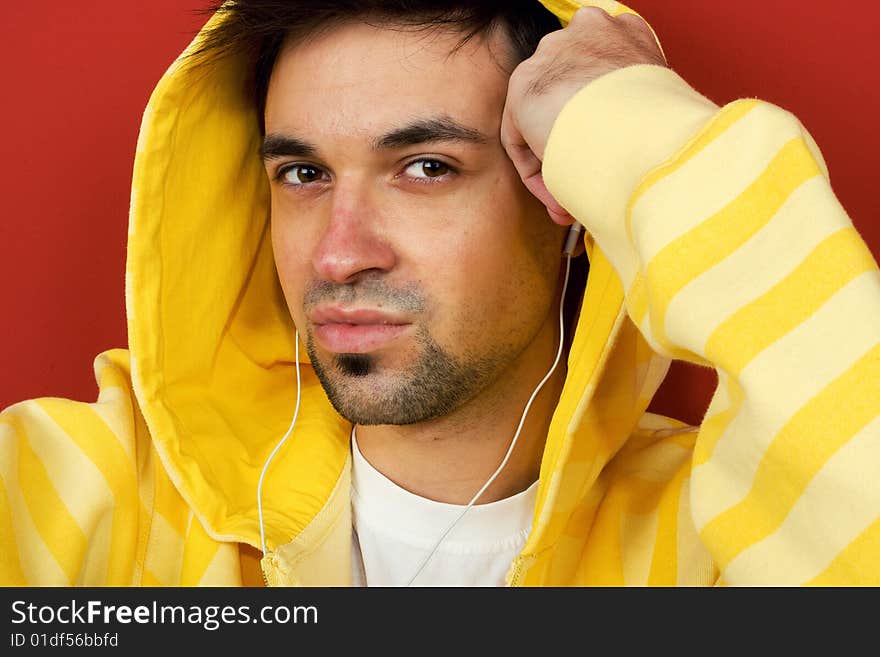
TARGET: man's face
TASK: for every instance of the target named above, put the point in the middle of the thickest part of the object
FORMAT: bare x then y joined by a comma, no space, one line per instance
417,267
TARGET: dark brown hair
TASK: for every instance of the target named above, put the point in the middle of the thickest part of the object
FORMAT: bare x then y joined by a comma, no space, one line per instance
257,29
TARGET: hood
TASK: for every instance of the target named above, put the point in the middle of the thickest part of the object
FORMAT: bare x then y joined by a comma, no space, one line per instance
212,342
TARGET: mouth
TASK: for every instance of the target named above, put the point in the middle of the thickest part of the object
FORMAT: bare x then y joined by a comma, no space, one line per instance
355,331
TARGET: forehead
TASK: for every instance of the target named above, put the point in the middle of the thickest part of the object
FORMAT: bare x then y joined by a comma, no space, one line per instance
357,76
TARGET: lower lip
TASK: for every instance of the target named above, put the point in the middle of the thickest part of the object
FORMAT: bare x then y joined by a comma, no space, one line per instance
357,338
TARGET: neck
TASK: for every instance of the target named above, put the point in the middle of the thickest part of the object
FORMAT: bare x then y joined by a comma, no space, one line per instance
450,458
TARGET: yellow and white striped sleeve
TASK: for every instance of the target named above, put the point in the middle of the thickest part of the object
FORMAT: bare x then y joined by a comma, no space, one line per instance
735,253
69,489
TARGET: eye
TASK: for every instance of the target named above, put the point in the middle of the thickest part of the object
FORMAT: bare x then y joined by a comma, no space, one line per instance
299,174
425,169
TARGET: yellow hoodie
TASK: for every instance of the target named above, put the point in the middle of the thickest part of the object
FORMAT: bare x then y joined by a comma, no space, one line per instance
713,236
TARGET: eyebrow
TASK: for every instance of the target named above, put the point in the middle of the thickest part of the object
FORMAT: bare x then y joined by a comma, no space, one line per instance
275,146
420,131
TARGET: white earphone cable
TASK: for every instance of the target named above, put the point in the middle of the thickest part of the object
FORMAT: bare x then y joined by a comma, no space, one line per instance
518,429
275,451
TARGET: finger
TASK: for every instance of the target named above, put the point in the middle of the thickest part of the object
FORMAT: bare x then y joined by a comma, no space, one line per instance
518,150
641,30
589,13
528,166
535,185
635,21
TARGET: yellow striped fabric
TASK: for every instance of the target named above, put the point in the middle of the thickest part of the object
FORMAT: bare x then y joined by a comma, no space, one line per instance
85,502
735,253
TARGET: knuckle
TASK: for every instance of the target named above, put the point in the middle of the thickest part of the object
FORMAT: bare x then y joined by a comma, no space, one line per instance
543,41
549,38
635,22
518,83
589,14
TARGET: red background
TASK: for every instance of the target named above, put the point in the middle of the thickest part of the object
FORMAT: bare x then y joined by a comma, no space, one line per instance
76,77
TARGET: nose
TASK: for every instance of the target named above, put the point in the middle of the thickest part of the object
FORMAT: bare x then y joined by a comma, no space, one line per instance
352,241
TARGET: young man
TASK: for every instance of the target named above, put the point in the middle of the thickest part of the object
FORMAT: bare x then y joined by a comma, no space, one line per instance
395,201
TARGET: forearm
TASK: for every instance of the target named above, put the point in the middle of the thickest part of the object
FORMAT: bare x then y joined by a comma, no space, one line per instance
735,253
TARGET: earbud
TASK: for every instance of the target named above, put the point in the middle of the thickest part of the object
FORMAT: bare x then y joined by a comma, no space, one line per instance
571,240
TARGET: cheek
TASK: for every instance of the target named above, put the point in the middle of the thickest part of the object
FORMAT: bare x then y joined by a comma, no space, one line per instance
513,237
288,253
494,283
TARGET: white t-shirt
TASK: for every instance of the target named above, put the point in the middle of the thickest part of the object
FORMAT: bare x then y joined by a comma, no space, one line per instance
394,530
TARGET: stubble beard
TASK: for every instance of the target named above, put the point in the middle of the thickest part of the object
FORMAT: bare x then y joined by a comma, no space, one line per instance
435,385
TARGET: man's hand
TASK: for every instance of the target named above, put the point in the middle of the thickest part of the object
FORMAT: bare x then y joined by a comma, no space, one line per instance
592,44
